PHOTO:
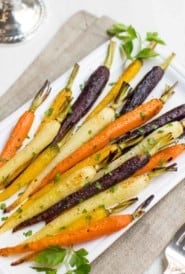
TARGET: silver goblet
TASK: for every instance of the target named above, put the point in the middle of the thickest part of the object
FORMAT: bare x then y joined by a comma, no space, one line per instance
19,19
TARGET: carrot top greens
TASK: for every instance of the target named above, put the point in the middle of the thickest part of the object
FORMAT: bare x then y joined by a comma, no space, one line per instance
131,39
74,261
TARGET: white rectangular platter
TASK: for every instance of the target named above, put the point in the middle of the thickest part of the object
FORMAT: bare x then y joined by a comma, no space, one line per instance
159,187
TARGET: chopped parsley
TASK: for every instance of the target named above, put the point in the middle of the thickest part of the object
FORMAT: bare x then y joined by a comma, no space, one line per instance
57,177
142,115
28,233
48,112
98,185
19,210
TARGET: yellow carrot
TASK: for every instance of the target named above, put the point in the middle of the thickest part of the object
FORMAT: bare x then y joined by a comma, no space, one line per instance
62,99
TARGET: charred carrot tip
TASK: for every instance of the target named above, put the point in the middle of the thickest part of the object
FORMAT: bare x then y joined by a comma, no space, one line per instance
41,96
141,209
167,62
168,92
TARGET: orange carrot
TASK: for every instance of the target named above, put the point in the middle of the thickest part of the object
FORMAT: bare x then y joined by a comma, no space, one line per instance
125,123
23,125
90,232
162,157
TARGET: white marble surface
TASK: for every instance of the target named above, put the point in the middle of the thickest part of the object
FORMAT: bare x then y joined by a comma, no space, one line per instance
164,16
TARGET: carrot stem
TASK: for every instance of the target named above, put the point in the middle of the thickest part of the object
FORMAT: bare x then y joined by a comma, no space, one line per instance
168,92
72,76
167,62
110,54
41,96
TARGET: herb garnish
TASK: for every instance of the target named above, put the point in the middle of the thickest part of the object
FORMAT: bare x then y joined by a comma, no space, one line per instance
82,85
19,210
28,233
74,261
2,206
151,141
69,110
97,157
154,36
4,218
142,114
48,112
131,41
112,83
98,185
57,177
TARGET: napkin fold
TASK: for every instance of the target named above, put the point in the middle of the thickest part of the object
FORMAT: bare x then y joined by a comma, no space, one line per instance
59,55
135,250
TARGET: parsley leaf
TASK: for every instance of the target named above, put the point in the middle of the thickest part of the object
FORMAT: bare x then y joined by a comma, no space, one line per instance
81,86
154,36
112,83
51,256
45,269
131,41
83,269
98,185
146,53
75,262
142,115
4,218
79,261
128,48
57,177
2,206
28,233
117,28
132,32
48,112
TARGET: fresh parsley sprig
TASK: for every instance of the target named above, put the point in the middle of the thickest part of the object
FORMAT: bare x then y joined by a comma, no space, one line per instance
75,261
129,36
46,270
154,37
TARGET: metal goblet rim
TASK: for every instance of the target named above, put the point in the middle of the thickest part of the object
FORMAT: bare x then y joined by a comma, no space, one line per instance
19,21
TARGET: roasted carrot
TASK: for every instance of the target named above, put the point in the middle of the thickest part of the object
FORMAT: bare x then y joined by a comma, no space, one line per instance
85,192
22,158
162,157
106,226
124,191
62,99
88,217
92,89
151,144
23,125
117,128
126,76
32,171
94,126
87,130
146,85
102,227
